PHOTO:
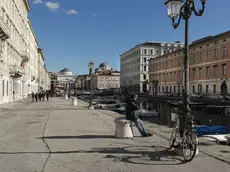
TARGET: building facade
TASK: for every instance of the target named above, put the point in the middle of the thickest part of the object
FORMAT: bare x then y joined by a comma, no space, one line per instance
82,82
209,66
18,51
134,64
105,78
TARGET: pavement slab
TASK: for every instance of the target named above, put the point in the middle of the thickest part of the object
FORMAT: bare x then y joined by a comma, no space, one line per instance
53,136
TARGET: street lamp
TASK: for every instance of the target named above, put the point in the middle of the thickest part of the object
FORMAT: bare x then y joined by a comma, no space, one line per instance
176,9
90,66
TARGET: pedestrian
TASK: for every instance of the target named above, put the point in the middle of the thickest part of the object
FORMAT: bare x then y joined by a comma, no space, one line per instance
32,94
131,107
47,95
36,97
43,95
40,96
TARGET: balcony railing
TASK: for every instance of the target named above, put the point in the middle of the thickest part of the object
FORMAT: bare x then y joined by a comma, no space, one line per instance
15,71
4,30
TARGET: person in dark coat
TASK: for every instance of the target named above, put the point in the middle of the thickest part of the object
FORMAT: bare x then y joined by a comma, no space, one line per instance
32,94
40,96
47,95
36,97
131,107
43,96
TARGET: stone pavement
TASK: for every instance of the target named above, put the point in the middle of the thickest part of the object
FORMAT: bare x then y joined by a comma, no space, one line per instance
54,136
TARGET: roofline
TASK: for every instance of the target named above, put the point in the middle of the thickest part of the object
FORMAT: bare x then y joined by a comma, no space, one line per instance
41,52
142,44
31,27
27,4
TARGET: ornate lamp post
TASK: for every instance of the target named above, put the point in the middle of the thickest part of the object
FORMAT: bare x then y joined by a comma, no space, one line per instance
90,66
184,11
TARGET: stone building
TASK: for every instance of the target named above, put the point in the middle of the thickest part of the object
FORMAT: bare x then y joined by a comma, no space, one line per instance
19,53
209,72
105,78
134,64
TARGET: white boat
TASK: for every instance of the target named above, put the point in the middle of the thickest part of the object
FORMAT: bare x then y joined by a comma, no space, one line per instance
147,113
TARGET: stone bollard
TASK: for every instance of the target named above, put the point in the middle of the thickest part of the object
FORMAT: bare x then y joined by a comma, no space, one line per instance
74,101
66,96
123,128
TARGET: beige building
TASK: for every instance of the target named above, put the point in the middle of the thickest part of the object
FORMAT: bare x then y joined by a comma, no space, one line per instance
105,78
134,64
209,68
18,51
82,82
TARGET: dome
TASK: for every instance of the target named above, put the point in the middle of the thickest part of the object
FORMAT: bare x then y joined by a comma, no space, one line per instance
104,66
97,70
66,71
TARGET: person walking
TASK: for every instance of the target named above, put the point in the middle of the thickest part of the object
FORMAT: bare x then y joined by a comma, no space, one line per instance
47,95
40,96
131,107
43,96
32,94
36,96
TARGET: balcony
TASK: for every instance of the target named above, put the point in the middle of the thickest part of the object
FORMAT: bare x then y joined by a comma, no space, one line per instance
4,30
15,71
25,57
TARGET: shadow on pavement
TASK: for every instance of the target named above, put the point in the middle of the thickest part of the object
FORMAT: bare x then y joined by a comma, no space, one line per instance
142,155
79,137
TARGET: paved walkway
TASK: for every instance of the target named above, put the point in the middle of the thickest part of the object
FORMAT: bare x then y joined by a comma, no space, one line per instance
54,136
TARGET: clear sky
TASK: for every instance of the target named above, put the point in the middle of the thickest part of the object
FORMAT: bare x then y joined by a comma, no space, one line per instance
73,32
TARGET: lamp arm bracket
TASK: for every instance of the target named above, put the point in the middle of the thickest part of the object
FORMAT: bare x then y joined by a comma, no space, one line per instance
181,15
201,11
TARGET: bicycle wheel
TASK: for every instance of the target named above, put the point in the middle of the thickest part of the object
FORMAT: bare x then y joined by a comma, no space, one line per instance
189,145
173,137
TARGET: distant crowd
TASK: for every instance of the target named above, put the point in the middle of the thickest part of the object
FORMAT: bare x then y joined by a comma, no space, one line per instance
40,96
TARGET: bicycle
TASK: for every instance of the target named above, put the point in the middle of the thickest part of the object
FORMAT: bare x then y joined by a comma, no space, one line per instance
187,142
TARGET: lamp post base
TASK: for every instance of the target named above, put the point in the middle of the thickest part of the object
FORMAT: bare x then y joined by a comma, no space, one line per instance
91,108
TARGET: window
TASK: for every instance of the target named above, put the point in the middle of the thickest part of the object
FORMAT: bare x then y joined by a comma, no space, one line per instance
193,73
207,55
174,89
166,76
144,68
224,51
171,76
178,75
175,76
224,69
194,58
144,77
206,89
178,61
201,56
170,89
145,51
214,88
163,89
200,72
157,52
171,63
193,89
151,51
207,71
7,88
215,70
3,83
145,59
215,52
159,89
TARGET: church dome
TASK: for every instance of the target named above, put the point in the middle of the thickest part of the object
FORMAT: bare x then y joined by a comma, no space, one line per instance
104,66
66,71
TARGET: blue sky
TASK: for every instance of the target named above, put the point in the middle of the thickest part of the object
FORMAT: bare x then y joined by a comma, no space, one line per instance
73,32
